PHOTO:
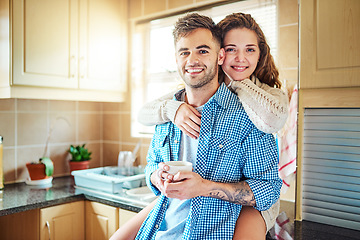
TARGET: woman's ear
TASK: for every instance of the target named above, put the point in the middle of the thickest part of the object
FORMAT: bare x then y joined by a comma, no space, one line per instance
221,56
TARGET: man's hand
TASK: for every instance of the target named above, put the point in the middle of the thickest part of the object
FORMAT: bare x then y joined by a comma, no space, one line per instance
185,185
187,119
160,176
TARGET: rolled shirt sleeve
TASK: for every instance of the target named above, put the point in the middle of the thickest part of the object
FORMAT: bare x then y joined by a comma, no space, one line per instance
261,168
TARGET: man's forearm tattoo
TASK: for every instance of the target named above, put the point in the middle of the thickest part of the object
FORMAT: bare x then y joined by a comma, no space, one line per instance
239,193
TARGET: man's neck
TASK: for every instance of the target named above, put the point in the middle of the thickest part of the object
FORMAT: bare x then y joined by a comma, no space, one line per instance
197,97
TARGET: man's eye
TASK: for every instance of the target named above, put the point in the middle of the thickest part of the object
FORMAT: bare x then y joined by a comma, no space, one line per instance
184,53
203,51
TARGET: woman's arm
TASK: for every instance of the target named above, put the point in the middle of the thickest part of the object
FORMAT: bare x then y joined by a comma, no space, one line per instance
159,111
266,106
164,109
130,228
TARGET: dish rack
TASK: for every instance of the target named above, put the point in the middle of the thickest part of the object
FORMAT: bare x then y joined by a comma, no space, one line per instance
110,179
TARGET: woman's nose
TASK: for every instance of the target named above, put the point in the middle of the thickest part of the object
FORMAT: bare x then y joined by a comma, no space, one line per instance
240,56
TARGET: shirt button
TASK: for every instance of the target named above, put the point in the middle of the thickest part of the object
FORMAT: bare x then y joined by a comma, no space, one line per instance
176,141
156,226
164,205
221,146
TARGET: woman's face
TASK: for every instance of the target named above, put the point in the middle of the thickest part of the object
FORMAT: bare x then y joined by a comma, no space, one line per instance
242,54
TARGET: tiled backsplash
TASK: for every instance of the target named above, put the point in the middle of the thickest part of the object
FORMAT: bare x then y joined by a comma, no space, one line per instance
25,125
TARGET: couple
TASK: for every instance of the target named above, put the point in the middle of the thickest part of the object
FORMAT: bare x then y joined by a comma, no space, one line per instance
235,164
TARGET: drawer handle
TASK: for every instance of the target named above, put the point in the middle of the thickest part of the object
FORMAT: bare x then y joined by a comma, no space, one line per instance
48,228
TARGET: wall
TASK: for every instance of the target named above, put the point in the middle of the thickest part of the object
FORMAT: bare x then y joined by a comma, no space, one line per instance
288,61
105,127
25,125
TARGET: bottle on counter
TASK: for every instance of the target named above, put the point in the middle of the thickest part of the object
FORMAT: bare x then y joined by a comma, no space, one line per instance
1,164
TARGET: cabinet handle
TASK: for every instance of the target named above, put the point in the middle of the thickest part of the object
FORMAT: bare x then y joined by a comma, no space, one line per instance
73,66
48,228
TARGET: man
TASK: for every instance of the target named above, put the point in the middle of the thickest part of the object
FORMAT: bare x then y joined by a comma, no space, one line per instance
205,203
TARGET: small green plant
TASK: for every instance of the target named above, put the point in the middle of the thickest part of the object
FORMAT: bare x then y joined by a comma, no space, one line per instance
79,153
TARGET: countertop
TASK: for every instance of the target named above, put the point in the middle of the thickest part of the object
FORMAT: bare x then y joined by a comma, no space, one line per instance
19,197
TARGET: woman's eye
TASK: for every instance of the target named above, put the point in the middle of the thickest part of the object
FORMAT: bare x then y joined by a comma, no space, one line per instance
229,50
251,50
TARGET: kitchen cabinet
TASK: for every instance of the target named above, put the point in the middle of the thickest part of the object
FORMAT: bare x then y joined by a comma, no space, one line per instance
101,220
124,216
22,225
64,221
329,73
69,50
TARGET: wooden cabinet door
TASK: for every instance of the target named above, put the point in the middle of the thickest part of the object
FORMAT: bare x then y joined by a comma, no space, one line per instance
124,216
103,45
22,225
101,221
329,44
64,221
45,43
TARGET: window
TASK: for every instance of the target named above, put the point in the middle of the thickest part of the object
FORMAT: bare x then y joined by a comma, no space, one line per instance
154,70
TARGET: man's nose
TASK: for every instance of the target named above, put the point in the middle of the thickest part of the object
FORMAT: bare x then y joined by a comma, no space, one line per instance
192,59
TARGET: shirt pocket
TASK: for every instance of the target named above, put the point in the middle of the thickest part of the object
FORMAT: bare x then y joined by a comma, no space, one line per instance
225,163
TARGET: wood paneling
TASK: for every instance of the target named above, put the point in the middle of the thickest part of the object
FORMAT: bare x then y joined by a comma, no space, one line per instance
154,6
23,225
179,3
330,46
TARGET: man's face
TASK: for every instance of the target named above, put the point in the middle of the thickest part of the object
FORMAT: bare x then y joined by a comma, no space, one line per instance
197,58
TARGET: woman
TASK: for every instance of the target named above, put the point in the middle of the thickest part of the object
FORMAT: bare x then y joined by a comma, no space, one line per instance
250,71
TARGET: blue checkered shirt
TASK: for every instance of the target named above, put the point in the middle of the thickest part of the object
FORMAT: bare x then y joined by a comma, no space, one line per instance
230,149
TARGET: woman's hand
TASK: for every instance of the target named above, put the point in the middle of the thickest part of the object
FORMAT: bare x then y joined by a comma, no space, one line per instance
188,120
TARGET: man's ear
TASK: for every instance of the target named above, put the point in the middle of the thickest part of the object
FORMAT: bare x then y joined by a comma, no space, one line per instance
221,56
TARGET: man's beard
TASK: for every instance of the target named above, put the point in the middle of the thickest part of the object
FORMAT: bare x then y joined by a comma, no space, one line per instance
204,81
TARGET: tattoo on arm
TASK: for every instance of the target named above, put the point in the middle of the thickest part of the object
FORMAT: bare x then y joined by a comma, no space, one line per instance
238,193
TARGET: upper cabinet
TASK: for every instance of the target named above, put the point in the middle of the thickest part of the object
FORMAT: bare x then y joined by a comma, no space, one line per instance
329,44
69,50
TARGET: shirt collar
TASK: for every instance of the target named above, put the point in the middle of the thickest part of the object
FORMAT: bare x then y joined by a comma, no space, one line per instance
223,96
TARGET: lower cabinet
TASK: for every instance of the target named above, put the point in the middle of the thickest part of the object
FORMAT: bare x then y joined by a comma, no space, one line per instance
124,216
62,222
22,225
101,220
76,220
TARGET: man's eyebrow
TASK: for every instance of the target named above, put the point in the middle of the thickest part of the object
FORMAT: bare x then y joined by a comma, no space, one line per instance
183,49
203,46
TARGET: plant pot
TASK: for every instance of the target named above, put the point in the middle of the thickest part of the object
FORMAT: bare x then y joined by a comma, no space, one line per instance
36,171
78,165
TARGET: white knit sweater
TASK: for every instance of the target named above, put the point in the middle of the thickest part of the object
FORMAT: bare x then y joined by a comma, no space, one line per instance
266,106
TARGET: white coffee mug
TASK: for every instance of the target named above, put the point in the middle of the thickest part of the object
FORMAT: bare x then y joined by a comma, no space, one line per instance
177,166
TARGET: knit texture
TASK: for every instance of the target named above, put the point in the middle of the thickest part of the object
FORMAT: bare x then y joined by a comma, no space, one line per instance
266,106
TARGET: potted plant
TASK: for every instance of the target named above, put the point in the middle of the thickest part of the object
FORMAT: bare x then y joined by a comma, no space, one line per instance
80,157
42,169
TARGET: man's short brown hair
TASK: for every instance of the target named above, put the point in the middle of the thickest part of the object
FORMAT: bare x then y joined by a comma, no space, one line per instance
192,21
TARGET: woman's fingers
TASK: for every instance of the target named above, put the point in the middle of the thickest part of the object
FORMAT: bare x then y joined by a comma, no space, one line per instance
188,119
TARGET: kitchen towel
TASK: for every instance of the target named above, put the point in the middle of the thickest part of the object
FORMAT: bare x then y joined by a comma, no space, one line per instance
287,161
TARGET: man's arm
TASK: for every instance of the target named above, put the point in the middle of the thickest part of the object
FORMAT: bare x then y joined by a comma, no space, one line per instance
188,185
238,193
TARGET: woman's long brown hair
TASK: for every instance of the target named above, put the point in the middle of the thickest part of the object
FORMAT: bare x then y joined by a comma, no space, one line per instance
266,70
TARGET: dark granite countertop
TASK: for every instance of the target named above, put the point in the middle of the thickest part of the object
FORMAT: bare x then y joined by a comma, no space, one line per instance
18,197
